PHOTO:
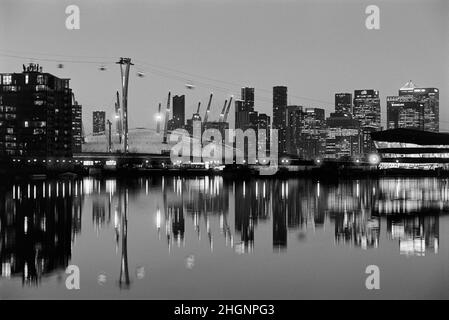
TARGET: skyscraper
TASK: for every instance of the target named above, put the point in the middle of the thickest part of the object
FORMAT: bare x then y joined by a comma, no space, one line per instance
366,110
279,116
243,108
99,122
179,111
313,133
404,112
264,122
35,114
248,98
342,136
294,127
414,107
428,99
343,103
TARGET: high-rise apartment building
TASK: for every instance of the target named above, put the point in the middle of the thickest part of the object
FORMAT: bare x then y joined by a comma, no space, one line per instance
36,114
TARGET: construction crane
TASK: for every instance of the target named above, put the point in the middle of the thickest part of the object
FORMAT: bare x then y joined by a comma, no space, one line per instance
220,119
206,116
227,110
167,115
196,116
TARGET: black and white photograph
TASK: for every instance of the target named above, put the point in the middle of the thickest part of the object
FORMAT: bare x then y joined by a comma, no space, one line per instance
224,155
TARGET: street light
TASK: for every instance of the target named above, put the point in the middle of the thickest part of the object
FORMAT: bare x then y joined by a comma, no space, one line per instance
374,159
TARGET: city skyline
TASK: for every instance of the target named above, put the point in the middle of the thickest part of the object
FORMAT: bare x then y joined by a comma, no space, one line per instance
303,133
302,65
231,150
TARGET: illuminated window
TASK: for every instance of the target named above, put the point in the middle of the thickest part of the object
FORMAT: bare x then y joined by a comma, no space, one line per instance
7,79
26,124
27,77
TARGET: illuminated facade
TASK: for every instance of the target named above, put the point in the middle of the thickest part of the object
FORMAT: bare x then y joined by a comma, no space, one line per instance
416,108
343,103
404,112
313,133
36,114
343,137
412,149
279,116
366,110
295,118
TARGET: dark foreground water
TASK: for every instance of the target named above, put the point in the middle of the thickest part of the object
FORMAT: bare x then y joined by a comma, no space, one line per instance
207,238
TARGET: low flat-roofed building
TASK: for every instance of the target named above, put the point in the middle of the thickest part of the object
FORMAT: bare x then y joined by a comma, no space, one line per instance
412,149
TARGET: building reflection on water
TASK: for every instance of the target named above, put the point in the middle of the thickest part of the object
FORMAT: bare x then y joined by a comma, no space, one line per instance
39,224
40,221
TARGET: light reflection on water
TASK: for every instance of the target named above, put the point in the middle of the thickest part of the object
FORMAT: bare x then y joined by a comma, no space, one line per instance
174,237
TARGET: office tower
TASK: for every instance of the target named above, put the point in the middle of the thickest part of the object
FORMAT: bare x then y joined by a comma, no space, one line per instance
343,138
179,111
253,120
343,103
247,118
243,107
35,114
404,112
99,122
247,95
279,116
313,133
241,115
294,126
415,108
429,98
264,122
366,110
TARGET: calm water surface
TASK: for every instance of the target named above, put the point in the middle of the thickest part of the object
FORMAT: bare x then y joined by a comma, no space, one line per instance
209,238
